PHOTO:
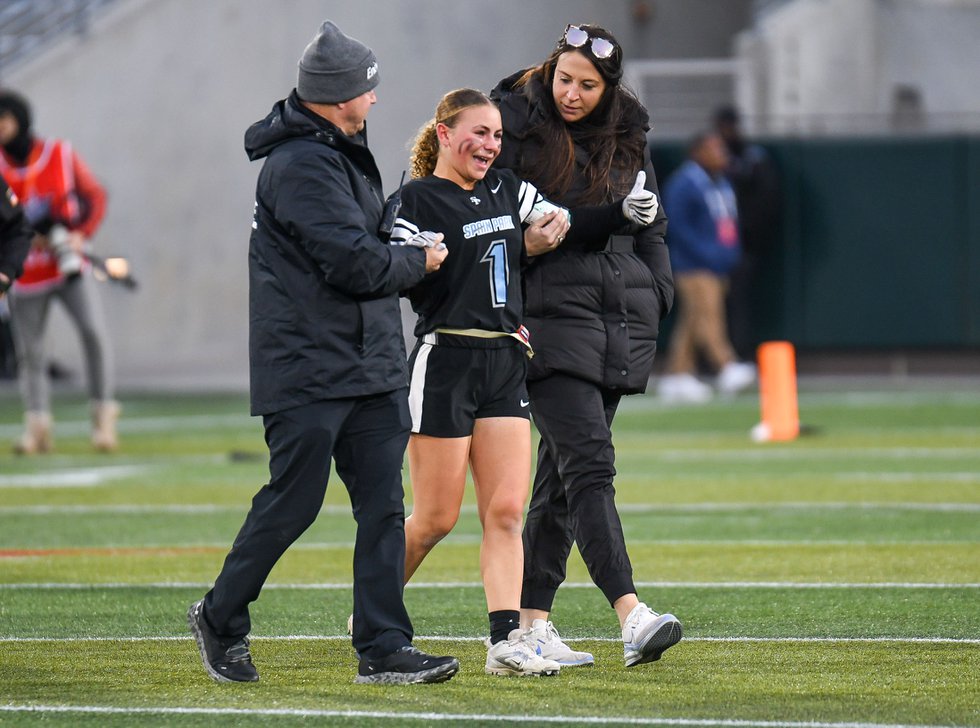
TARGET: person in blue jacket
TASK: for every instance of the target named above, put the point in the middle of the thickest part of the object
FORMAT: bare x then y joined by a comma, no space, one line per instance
704,247
328,365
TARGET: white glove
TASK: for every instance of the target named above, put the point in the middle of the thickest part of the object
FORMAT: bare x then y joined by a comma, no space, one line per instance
641,205
426,239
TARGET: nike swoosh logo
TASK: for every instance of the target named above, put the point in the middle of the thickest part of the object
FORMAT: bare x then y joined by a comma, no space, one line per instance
494,189
524,403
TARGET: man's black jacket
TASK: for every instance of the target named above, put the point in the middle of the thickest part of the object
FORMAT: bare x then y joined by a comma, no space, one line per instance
324,317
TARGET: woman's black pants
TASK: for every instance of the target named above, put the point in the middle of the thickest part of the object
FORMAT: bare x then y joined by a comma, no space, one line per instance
573,498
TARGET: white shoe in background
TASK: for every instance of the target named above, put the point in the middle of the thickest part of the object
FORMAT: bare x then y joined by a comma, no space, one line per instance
37,434
517,656
735,376
544,638
683,389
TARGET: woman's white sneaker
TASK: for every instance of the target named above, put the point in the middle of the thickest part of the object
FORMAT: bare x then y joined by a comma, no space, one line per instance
647,634
736,376
683,389
544,638
516,656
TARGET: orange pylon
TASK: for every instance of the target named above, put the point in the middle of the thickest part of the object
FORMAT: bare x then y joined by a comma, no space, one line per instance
777,392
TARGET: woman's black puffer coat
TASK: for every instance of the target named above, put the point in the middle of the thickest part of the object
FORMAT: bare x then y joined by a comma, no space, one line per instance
592,312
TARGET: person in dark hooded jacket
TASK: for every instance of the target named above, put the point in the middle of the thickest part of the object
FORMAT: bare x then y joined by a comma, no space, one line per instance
15,241
593,309
328,365
15,238
64,203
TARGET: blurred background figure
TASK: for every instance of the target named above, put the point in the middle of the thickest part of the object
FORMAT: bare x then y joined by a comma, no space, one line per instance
755,180
15,241
65,204
8,355
704,248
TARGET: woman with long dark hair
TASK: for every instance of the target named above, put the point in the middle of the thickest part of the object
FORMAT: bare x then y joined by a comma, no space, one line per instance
593,307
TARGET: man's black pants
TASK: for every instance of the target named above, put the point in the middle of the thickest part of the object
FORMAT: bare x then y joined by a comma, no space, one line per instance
573,498
366,437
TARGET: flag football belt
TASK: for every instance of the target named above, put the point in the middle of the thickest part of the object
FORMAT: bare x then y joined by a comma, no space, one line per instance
479,338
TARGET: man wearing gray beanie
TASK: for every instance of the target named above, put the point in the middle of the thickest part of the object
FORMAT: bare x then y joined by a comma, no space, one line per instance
335,67
328,367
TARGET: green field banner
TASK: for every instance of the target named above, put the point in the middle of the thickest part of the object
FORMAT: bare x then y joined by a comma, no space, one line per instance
879,243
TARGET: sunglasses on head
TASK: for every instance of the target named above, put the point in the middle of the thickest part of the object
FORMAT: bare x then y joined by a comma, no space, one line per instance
576,38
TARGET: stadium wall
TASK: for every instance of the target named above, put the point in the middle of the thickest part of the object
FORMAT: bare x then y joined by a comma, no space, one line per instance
879,245
156,97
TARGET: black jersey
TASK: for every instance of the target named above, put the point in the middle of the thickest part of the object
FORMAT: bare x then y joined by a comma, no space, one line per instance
478,286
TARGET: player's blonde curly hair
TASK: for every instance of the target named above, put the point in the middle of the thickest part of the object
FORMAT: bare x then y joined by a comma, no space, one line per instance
425,148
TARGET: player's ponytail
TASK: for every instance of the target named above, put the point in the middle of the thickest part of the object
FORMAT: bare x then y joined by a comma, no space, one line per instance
425,150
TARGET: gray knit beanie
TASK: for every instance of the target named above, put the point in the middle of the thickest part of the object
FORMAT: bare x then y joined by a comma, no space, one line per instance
335,67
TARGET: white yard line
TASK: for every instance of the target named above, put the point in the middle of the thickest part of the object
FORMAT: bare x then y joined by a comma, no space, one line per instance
454,717
479,585
716,507
136,508
474,539
147,424
131,509
811,453
481,638
127,509
795,506
906,477
71,478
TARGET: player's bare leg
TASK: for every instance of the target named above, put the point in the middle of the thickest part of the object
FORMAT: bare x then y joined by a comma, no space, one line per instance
500,457
437,470
500,460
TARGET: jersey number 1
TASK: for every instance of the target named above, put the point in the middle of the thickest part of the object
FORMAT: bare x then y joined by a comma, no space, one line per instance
496,256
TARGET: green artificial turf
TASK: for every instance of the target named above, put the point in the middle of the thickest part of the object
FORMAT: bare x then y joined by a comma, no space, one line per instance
830,581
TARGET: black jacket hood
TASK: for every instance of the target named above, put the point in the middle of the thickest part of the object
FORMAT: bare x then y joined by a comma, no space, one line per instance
287,120
520,108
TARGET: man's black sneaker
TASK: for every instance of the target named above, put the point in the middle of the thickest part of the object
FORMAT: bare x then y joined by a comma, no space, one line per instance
405,666
224,664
